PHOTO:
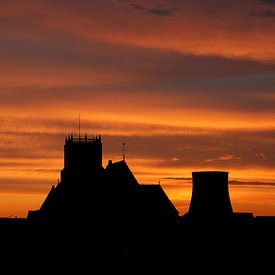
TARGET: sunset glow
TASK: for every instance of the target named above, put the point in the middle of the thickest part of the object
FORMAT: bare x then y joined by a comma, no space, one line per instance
187,85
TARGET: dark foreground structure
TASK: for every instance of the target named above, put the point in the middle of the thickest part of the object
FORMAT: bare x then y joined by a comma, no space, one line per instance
102,221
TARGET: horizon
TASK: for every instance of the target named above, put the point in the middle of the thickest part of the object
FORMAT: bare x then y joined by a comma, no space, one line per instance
187,85
178,190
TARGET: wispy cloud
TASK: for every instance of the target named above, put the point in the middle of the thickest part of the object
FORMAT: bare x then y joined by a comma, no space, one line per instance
179,178
123,1
225,157
231,182
259,183
268,1
159,11
154,10
267,14
261,156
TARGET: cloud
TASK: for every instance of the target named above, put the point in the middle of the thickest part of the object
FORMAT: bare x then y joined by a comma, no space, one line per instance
110,21
268,1
212,13
175,159
158,11
123,1
173,146
227,157
267,14
236,182
25,185
261,155
76,74
231,182
178,178
207,160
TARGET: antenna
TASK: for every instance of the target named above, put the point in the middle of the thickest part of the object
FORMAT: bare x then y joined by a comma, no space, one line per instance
79,127
123,150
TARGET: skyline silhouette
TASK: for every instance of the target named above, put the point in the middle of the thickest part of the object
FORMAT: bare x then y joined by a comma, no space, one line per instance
83,164
102,220
185,184
85,184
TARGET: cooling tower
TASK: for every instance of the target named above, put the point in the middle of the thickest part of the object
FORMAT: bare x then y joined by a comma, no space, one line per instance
210,196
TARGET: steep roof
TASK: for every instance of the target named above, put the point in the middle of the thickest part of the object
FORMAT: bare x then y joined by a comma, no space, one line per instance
116,194
50,200
154,199
145,200
120,174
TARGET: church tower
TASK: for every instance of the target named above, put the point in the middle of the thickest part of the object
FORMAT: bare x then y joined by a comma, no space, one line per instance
82,156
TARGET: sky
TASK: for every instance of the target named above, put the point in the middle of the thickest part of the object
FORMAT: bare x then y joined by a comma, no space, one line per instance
187,85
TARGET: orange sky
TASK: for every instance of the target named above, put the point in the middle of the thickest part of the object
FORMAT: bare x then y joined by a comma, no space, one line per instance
188,85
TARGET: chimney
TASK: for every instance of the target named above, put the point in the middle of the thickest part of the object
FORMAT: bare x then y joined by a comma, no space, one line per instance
210,195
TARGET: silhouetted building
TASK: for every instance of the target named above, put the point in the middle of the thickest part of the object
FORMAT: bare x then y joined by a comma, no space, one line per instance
210,194
111,195
210,201
82,157
119,177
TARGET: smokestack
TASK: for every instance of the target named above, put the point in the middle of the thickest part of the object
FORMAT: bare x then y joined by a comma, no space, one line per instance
210,195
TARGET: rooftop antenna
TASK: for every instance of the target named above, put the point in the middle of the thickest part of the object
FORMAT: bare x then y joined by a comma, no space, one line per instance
123,150
79,126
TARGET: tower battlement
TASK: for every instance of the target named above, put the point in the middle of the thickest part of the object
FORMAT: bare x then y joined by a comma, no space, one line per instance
82,154
82,139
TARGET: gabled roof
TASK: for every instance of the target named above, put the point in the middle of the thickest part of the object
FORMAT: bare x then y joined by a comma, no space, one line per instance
153,199
120,174
148,200
50,199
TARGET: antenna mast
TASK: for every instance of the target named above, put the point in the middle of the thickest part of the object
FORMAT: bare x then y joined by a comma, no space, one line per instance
123,150
79,127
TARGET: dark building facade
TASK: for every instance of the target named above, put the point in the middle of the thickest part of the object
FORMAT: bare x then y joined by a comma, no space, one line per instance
88,191
210,194
210,201
82,157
